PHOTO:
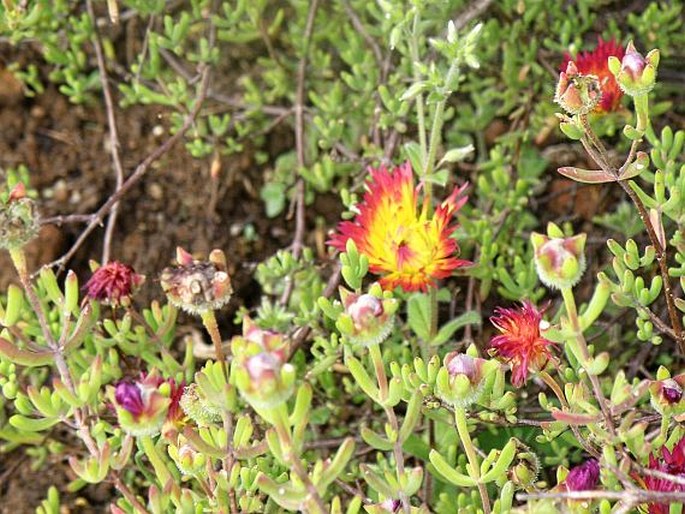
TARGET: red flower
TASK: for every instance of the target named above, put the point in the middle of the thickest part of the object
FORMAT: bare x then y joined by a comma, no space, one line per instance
410,249
595,63
520,343
671,462
113,283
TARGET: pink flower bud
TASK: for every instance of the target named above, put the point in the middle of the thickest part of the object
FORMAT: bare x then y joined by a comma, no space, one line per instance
635,74
560,262
143,406
367,319
667,395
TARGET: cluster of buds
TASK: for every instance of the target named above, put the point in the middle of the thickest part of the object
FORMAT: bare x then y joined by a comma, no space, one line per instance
19,221
367,318
559,261
635,74
461,380
144,406
113,283
260,368
197,286
188,460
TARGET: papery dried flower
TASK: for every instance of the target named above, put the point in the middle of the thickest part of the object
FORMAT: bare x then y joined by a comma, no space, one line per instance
525,468
520,343
19,221
367,319
197,407
113,283
197,286
583,477
595,64
403,244
576,93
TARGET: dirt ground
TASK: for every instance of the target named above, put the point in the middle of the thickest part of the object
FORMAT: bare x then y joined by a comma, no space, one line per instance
65,147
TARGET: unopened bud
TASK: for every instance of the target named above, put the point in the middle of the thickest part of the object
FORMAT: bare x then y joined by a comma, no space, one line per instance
635,74
560,262
461,380
368,319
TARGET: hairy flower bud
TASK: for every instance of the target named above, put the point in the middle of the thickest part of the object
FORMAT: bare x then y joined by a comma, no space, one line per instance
113,283
635,74
197,286
576,93
368,319
259,367
461,380
560,262
198,408
19,221
525,468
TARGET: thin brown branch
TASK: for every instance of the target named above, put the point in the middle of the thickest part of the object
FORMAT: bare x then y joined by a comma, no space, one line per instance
114,143
298,239
139,172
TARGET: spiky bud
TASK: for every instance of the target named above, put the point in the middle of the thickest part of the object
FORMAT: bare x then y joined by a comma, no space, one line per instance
461,380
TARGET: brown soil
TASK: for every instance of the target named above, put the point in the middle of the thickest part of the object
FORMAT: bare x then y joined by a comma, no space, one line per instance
65,147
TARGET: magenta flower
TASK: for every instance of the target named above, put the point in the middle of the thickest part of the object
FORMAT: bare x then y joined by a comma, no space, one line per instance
583,477
671,462
520,343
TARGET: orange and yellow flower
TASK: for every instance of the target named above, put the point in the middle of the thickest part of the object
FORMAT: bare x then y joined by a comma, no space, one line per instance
402,242
596,63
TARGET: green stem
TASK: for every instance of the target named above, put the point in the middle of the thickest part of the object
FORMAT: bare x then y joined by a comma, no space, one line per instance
474,466
584,354
438,120
642,111
161,470
420,113
379,367
282,426
381,377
